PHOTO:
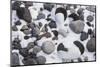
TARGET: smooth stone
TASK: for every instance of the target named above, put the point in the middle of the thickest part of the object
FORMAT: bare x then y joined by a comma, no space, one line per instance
26,32
62,32
40,16
74,16
52,24
48,6
14,28
15,59
81,17
91,45
30,45
90,18
48,47
40,24
91,8
83,36
36,49
80,46
29,61
41,60
89,24
24,52
77,26
63,11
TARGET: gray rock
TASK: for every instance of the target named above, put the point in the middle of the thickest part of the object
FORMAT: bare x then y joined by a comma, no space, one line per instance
91,45
36,49
24,27
14,59
77,26
14,28
26,32
90,18
48,47
91,8
83,36
30,45
80,11
41,16
41,60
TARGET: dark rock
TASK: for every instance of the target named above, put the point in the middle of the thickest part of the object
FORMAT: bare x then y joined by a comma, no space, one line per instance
26,32
40,16
15,59
14,28
91,45
40,24
18,23
26,37
24,27
16,45
61,47
90,31
90,18
16,5
80,46
81,17
48,6
28,4
24,52
41,60
55,32
80,11
79,60
30,45
63,11
36,49
83,36
74,16
52,24
77,26
47,35
88,23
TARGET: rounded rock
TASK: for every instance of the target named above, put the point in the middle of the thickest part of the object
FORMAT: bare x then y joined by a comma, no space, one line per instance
41,60
83,36
48,47
36,49
90,18
91,45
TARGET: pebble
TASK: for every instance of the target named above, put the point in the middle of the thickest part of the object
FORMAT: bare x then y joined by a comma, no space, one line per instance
26,37
48,6
36,49
52,24
83,36
24,52
18,23
28,4
16,45
88,23
80,11
80,46
91,8
40,24
91,45
77,26
47,35
48,47
41,60
30,45
55,32
29,61
16,5
14,28
40,16
90,31
24,27
14,59
90,18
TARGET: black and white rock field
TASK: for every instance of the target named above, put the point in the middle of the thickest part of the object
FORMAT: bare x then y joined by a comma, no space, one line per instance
46,33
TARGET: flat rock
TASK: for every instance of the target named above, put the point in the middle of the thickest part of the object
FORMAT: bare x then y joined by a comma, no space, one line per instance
77,26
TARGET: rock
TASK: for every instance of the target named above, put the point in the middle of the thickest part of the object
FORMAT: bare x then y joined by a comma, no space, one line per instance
55,32
18,23
86,59
81,17
29,61
91,45
24,27
89,24
80,46
62,32
36,49
48,6
74,16
16,5
72,10
16,45
14,28
28,3
77,26
79,60
24,52
41,60
80,11
26,37
90,18
26,32
40,16
91,8
48,47
63,11
90,31
30,45
40,24
52,24
15,59
83,36
24,13
47,35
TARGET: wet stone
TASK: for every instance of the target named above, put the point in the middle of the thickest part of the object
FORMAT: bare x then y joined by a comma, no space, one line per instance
91,46
41,60
77,26
83,36
15,59
48,47
90,18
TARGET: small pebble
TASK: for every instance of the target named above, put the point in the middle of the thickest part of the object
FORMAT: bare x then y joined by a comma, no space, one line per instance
90,18
14,28
18,23
48,6
26,32
36,49
88,23
83,36
41,60
90,31
41,16
24,52
52,24
30,45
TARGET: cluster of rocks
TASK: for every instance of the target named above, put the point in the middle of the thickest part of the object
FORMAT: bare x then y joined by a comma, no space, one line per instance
52,29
